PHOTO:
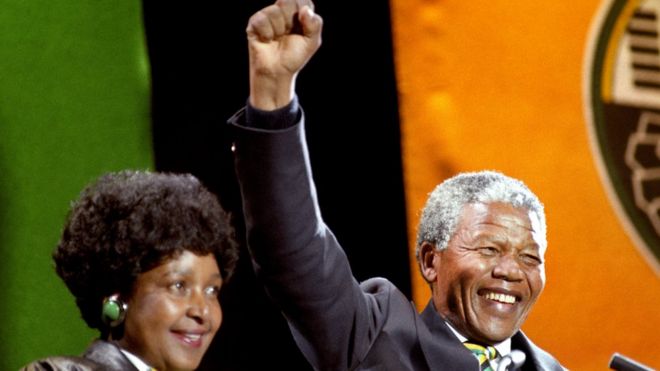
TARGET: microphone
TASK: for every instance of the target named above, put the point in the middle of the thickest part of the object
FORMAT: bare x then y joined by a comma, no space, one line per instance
512,361
622,363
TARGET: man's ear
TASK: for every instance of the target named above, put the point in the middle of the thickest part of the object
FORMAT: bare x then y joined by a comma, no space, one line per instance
427,260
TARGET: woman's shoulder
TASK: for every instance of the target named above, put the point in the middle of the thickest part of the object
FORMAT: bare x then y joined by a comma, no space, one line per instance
99,356
62,363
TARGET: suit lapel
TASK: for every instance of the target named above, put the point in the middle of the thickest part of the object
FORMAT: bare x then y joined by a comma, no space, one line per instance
537,358
443,351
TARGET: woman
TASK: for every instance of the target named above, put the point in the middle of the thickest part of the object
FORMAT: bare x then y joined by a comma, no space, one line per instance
145,254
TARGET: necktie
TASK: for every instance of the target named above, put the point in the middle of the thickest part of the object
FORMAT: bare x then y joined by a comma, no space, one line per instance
483,354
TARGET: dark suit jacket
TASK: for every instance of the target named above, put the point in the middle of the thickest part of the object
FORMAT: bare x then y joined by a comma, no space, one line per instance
100,356
338,323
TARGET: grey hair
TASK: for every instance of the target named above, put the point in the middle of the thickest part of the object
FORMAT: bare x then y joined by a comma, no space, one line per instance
444,206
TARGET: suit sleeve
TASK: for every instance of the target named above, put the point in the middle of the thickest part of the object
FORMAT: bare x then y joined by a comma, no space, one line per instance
295,255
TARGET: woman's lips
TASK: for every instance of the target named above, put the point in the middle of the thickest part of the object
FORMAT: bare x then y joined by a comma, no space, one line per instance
193,339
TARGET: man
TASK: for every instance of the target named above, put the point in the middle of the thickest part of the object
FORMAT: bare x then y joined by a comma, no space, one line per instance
481,239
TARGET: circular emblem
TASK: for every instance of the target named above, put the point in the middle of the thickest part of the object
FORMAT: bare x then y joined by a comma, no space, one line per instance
622,101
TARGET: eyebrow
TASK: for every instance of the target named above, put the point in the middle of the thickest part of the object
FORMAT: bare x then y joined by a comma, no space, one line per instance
188,272
498,238
529,228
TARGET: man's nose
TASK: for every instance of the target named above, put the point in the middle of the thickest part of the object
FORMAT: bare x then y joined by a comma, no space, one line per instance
508,268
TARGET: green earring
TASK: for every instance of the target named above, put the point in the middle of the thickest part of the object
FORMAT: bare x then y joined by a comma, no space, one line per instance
113,310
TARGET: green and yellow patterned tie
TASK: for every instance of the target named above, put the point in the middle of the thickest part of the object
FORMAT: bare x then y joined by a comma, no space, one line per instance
483,354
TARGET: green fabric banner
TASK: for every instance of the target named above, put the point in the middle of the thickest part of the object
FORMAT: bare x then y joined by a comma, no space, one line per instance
74,103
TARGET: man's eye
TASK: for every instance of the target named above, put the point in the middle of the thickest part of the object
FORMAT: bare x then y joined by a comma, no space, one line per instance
531,259
488,250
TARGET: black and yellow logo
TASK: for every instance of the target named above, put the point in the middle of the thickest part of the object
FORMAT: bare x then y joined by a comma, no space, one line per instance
622,101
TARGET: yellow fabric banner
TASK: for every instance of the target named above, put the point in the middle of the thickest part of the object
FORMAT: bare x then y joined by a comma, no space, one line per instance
498,85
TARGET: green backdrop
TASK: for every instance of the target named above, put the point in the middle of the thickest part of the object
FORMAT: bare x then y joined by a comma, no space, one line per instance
74,103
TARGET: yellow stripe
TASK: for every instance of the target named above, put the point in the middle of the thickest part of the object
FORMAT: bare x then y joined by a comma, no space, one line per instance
473,346
614,41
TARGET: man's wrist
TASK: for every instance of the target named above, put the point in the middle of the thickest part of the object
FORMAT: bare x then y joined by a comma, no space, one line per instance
269,93
280,118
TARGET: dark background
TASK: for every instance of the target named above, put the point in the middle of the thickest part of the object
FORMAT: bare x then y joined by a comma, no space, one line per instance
198,56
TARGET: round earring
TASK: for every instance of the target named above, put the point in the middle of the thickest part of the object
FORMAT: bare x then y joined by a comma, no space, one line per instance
113,310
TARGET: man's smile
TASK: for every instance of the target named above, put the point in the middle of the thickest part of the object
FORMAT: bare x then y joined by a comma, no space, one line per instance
501,298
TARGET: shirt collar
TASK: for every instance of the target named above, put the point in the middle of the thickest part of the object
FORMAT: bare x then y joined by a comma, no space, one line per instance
503,348
137,362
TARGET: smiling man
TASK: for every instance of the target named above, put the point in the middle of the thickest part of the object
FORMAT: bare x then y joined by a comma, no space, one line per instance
481,245
481,239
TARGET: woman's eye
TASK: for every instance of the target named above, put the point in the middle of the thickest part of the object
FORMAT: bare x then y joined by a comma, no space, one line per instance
213,291
178,286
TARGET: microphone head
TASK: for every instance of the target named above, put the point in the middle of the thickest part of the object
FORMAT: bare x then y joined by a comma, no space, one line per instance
622,363
512,361
517,358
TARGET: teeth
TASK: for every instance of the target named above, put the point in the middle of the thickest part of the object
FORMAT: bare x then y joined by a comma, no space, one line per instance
193,337
503,298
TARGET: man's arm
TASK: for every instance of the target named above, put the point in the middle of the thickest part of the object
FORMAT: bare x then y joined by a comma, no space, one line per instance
296,256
